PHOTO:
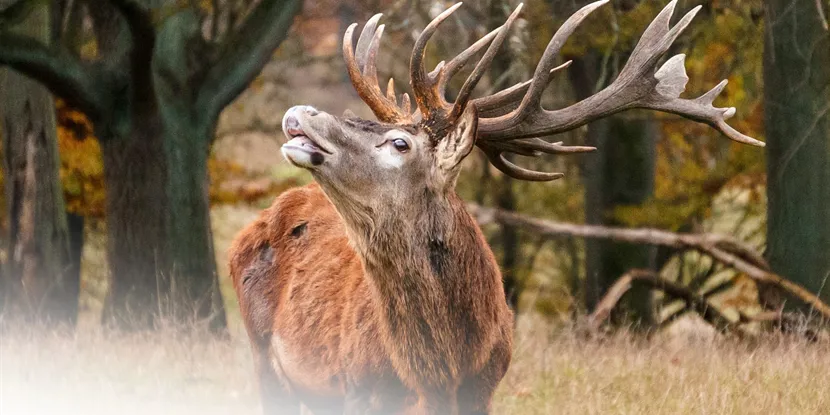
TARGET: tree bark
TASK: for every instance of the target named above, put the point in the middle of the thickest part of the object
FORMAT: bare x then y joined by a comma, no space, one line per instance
136,176
629,180
191,243
158,221
188,133
797,106
37,283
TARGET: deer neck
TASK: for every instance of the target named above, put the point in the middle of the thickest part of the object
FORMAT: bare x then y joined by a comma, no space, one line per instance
435,281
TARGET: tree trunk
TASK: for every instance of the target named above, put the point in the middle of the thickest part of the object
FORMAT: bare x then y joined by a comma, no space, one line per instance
628,180
158,221
505,198
136,177
191,242
621,172
797,102
37,284
510,245
188,135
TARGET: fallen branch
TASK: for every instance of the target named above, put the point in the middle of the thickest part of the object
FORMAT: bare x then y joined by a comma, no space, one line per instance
708,294
639,235
722,248
695,301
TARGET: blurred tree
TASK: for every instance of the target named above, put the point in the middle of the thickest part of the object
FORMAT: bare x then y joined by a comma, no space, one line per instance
509,239
797,101
37,281
154,92
620,173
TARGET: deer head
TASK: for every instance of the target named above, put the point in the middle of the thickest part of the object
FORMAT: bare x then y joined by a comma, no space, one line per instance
389,164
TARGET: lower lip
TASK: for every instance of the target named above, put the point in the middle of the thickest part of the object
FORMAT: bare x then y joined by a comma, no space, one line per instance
304,143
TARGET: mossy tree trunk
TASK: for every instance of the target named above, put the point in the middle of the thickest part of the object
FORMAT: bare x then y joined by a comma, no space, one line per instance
37,283
797,106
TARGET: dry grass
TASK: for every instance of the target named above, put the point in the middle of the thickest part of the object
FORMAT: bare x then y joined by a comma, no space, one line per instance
172,373
98,373
681,374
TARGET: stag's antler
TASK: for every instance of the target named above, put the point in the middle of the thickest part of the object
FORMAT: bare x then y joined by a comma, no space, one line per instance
428,88
512,120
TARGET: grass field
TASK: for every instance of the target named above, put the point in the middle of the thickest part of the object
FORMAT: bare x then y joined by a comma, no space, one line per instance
553,372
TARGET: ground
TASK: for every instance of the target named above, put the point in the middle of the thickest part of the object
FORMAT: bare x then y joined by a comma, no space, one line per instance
553,371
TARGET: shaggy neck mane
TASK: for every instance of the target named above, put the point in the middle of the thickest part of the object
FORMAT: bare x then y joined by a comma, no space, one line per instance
436,282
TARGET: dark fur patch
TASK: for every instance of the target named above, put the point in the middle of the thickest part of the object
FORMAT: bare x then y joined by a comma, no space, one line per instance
438,256
378,128
263,263
256,291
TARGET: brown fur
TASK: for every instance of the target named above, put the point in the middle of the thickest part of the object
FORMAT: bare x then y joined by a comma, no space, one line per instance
403,316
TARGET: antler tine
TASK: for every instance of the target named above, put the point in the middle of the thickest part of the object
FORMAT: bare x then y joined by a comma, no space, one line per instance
666,97
443,72
498,161
365,85
406,105
508,99
390,90
370,69
553,148
427,98
533,147
365,38
541,77
482,65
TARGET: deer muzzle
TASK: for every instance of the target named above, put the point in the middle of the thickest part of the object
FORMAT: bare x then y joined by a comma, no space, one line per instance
301,150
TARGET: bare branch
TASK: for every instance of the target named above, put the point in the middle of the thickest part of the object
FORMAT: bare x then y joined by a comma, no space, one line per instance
245,52
694,300
15,13
138,20
821,15
56,68
143,41
764,276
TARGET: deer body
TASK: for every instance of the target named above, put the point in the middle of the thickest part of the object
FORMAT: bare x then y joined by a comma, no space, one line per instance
374,291
430,320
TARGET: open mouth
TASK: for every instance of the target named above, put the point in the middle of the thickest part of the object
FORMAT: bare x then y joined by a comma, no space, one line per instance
300,141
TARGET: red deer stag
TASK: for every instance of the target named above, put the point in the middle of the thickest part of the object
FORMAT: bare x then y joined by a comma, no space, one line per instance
374,291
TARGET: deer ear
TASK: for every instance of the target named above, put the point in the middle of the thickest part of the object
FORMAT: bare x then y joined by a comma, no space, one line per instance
458,144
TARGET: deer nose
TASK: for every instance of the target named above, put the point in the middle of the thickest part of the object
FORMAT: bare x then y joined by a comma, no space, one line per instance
308,109
291,123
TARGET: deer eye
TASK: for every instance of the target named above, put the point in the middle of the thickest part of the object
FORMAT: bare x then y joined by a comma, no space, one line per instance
401,145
